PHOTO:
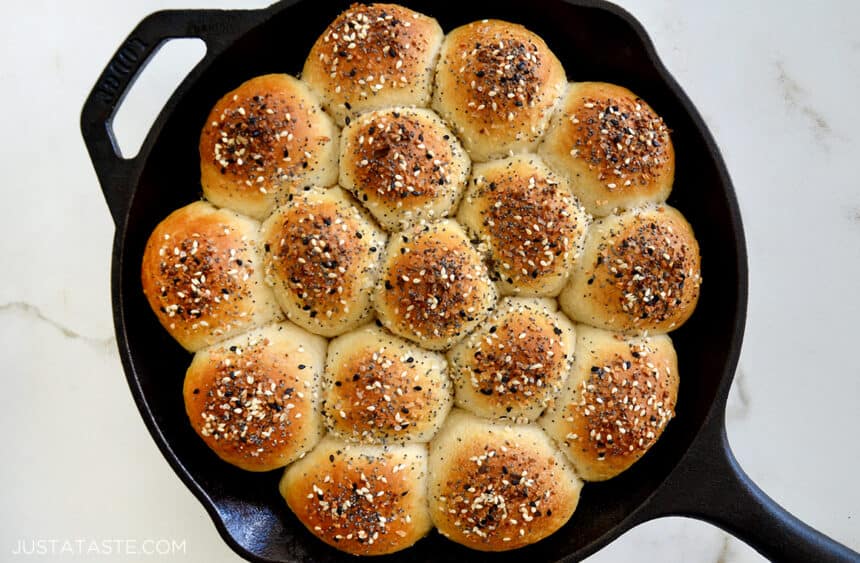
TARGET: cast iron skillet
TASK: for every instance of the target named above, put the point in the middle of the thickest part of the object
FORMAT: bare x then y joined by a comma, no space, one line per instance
690,472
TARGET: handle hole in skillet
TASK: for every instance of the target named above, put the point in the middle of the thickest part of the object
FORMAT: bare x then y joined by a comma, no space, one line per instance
150,91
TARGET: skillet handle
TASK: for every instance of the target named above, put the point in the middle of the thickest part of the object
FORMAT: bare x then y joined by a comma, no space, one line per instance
217,28
710,485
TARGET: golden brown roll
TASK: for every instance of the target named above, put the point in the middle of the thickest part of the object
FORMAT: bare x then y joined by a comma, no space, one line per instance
264,139
374,56
203,277
434,288
254,399
379,388
515,362
640,271
532,225
498,84
495,487
364,500
614,148
404,165
321,255
619,397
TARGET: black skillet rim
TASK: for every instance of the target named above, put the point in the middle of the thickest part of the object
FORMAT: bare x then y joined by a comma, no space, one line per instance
642,513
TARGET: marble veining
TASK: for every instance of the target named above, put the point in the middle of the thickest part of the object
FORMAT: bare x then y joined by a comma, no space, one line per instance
32,311
778,88
722,556
739,402
795,97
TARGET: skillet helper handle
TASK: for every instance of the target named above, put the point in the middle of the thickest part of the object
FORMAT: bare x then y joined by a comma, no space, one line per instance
217,28
710,485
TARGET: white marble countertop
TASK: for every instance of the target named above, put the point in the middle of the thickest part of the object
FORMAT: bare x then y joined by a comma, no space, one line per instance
779,87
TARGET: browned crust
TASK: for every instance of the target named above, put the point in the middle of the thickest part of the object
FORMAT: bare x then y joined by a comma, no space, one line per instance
517,361
379,396
498,80
361,504
264,135
252,405
648,272
531,223
496,493
399,159
622,399
620,137
435,288
616,140
320,252
373,50
197,274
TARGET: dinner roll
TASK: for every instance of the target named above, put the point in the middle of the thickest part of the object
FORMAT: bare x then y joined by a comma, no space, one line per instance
620,394
255,398
321,254
404,165
533,226
364,500
615,149
498,84
203,277
515,361
434,288
266,138
640,271
379,388
374,56
495,487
